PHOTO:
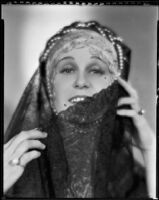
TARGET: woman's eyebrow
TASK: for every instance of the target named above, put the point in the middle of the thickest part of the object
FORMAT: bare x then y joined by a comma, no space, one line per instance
96,57
64,58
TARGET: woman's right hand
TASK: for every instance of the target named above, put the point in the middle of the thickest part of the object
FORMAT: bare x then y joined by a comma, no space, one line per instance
17,149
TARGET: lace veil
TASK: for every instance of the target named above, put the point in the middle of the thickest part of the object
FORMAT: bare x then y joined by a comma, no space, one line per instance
114,174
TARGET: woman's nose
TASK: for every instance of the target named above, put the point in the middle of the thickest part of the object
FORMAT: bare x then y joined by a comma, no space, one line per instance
81,81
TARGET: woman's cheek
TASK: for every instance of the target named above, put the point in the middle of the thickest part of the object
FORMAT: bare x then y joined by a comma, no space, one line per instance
62,88
99,83
65,78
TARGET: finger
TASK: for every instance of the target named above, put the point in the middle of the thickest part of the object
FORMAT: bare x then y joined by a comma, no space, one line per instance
129,101
6,145
127,112
131,91
29,156
25,146
26,135
126,100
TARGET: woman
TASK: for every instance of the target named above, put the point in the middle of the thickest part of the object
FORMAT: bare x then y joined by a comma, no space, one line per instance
75,127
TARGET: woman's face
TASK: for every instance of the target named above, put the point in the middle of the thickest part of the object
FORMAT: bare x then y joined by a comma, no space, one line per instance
79,73
81,66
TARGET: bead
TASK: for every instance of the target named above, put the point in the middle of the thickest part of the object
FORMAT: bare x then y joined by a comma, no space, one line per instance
111,38
107,30
81,24
90,24
120,52
73,29
118,39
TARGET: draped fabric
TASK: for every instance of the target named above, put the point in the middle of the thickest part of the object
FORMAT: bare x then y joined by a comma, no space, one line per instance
87,153
81,127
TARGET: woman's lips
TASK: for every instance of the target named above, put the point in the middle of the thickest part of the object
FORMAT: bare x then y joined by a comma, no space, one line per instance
78,98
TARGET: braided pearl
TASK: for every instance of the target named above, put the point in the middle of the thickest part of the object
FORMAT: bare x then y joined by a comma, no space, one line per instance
81,25
91,24
118,39
66,31
120,56
73,29
52,43
50,46
101,31
111,38
69,30
107,30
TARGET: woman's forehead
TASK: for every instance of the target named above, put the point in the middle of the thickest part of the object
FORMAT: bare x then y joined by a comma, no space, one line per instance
81,39
80,55
83,55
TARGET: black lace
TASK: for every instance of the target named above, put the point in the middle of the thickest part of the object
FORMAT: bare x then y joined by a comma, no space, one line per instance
80,127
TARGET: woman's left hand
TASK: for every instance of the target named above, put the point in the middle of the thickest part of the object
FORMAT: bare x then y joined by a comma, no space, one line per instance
145,134
146,137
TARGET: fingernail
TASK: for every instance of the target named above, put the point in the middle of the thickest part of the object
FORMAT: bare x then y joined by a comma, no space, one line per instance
38,153
45,134
44,146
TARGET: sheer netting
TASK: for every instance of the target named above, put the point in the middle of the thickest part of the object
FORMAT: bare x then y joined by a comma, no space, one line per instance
87,153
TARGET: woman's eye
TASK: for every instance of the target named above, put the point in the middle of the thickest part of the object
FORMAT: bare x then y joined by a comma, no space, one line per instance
67,70
97,71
